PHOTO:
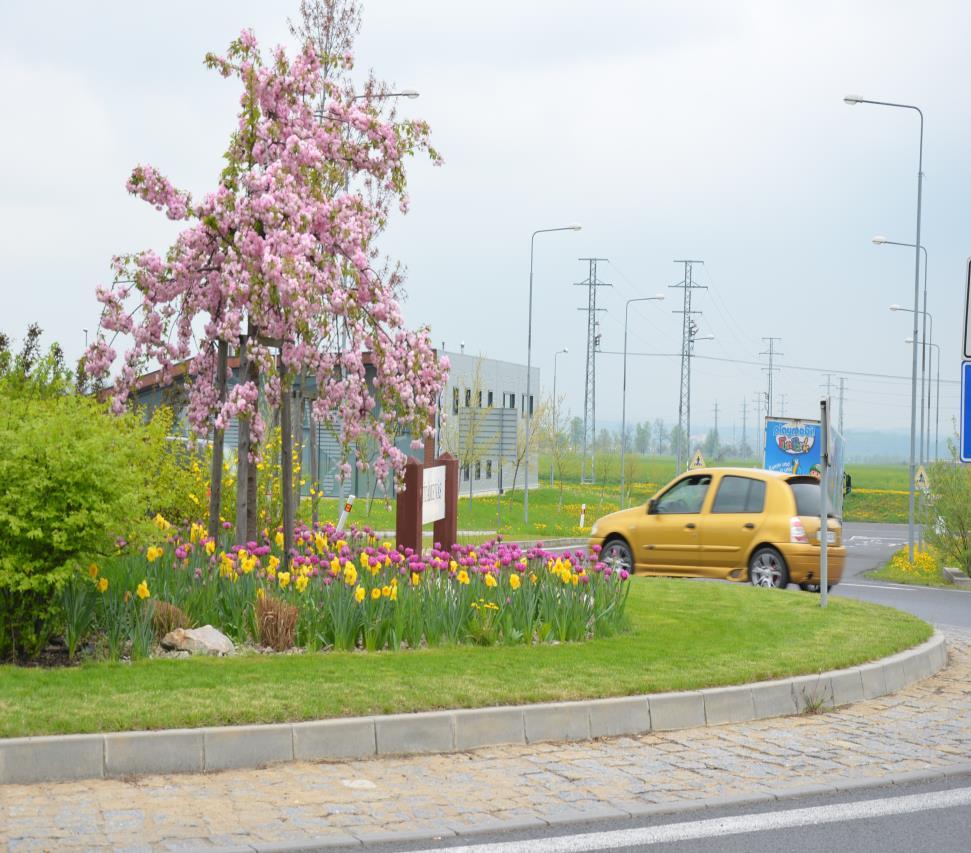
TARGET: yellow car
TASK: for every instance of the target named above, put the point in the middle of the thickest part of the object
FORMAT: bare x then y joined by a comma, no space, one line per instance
733,523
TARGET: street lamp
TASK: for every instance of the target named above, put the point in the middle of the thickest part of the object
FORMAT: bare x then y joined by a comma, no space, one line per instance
937,407
856,99
623,406
529,357
925,341
554,430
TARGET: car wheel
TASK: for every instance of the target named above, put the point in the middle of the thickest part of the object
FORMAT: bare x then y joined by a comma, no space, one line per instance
616,554
768,569
814,587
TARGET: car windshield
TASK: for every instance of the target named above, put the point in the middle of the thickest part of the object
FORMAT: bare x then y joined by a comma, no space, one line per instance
807,497
685,496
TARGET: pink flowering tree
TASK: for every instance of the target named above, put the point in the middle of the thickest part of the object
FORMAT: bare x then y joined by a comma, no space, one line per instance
279,261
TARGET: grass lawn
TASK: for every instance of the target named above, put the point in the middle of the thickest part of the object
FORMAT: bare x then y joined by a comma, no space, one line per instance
894,575
879,495
683,635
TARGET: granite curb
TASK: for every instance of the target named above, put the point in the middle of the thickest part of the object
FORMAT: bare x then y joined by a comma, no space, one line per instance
686,807
121,754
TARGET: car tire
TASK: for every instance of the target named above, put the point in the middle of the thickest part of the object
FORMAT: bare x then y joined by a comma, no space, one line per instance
815,587
767,568
616,553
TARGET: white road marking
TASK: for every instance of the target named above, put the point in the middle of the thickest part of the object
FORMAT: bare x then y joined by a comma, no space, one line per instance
712,827
913,588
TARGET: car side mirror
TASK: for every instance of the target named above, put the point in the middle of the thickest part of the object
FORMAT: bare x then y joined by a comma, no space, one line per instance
651,506
847,484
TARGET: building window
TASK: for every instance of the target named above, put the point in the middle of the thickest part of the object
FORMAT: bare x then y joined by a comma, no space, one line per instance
490,400
510,401
479,403
488,469
468,397
478,470
455,401
465,473
530,405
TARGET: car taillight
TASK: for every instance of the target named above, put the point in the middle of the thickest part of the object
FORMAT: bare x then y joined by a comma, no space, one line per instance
797,533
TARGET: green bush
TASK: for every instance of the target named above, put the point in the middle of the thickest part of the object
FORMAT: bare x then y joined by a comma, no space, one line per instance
72,481
947,513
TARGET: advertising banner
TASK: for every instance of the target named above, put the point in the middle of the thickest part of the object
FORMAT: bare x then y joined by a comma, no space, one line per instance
793,446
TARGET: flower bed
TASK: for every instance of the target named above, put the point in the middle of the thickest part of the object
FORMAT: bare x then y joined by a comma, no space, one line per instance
343,591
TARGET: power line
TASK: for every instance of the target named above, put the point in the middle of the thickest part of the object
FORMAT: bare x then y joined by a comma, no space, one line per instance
590,383
689,331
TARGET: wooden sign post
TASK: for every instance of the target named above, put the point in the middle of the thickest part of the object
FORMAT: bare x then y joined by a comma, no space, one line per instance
430,494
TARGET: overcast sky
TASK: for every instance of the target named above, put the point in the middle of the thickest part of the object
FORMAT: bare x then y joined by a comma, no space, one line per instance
667,129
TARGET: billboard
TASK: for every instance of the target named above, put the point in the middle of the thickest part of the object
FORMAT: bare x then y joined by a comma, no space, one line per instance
793,446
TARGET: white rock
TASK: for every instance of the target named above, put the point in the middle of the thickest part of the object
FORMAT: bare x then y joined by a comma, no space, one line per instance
205,640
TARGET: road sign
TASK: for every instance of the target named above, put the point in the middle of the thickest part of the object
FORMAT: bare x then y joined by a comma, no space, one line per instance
921,482
967,311
965,412
697,461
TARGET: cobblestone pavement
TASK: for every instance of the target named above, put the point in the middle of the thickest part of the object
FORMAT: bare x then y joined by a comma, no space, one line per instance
924,727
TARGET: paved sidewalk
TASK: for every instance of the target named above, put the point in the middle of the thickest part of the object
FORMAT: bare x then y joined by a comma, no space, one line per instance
924,727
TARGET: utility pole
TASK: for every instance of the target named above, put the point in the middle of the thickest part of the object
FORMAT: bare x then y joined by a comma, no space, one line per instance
744,421
782,405
590,384
771,352
842,391
759,428
688,331
829,385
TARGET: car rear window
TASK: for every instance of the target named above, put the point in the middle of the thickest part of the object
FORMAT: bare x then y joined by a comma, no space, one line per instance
739,494
806,493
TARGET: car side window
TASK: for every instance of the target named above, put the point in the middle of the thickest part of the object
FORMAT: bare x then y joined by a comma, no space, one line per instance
685,496
739,494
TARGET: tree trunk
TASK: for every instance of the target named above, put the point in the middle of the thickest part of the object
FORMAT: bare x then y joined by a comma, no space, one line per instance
242,453
218,440
286,465
252,375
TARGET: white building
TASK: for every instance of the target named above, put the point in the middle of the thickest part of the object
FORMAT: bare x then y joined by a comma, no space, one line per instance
485,408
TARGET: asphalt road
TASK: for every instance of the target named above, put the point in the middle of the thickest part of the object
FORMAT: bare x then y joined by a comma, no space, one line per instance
927,816
868,547
889,819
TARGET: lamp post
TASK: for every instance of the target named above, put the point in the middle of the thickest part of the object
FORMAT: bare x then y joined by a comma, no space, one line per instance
926,341
529,358
856,99
937,405
555,425
623,406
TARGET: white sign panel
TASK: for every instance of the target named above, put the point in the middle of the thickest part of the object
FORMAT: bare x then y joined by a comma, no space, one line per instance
967,311
433,494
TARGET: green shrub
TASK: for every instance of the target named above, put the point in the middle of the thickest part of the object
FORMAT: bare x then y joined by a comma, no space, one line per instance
72,478
947,513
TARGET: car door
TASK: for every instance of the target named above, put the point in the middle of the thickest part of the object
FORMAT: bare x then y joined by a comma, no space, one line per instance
668,540
733,520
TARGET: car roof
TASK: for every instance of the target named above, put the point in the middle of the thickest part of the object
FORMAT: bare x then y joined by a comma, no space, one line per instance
758,473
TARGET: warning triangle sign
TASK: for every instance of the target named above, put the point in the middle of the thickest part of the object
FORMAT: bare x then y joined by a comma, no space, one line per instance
697,461
921,482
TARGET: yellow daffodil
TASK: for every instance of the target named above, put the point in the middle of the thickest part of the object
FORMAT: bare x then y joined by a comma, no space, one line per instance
210,546
514,581
359,594
394,592
93,570
284,579
260,594
301,583
153,553
490,580
350,574
279,539
142,590
375,594
160,522
196,532
102,584
462,577
272,565
386,592
415,578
